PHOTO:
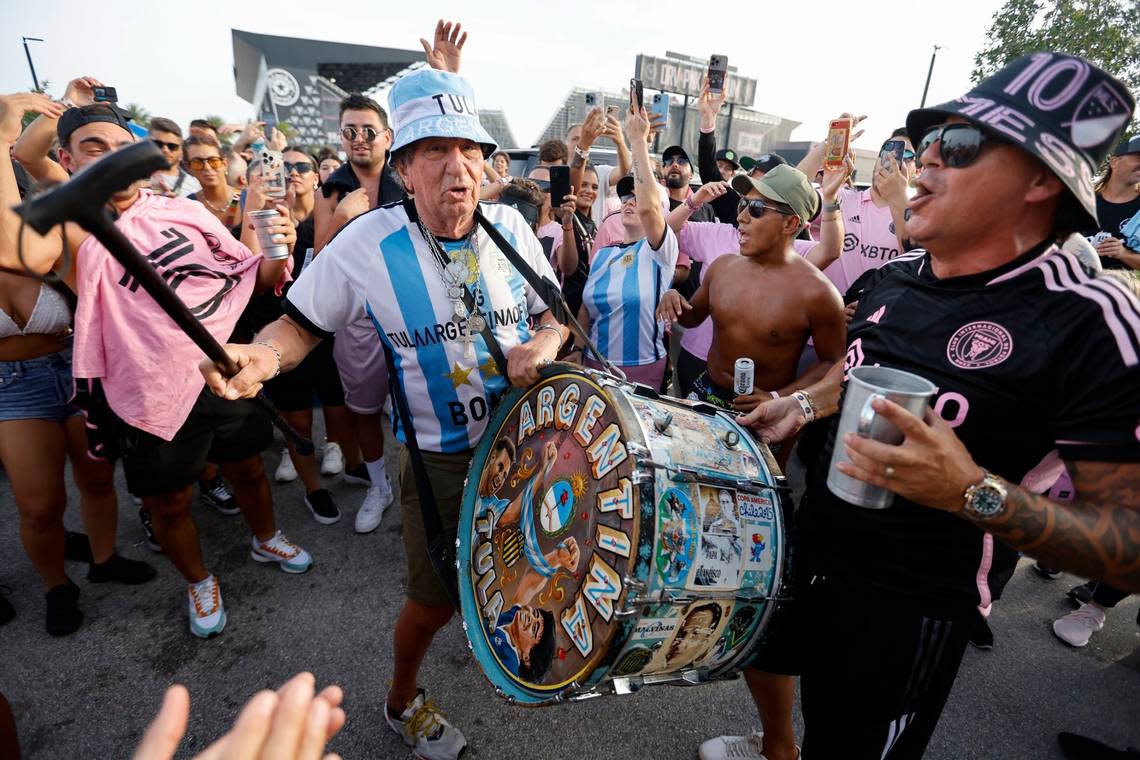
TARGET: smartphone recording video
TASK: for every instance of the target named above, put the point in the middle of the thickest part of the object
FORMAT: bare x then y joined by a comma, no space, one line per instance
718,72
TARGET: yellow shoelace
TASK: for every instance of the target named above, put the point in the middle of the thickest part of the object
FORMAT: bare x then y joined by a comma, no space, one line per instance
425,720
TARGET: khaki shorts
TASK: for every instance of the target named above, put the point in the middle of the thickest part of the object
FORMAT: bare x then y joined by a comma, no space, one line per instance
446,473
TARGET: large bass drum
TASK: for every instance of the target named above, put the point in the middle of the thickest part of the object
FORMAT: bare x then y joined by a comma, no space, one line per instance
610,538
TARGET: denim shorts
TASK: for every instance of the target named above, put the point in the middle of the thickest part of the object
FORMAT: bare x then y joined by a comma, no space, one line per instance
37,389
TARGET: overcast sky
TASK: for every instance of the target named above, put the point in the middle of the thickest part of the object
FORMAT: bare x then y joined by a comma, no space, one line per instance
813,59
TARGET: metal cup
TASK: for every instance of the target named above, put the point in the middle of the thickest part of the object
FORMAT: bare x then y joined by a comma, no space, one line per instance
261,222
864,385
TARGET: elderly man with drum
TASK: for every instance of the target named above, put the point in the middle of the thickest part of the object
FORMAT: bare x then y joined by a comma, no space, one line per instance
450,311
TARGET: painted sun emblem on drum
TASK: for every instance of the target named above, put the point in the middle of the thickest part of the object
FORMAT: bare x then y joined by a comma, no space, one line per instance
558,504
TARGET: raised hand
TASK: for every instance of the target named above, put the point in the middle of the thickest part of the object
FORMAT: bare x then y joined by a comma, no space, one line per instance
592,128
709,103
636,125
449,40
890,180
833,179
13,107
80,90
710,192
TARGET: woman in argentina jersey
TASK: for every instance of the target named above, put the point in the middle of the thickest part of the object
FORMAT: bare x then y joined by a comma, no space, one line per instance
619,302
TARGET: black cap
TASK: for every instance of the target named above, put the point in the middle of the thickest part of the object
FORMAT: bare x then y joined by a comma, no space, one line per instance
674,150
729,155
74,118
765,162
625,186
1128,147
1058,108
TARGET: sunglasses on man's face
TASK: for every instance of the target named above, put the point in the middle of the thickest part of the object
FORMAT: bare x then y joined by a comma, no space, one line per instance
757,207
172,147
198,164
350,133
678,160
958,144
302,167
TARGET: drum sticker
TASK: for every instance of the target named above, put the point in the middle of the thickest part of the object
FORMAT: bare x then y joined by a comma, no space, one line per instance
677,537
694,638
758,516
736,634
721,548
553,530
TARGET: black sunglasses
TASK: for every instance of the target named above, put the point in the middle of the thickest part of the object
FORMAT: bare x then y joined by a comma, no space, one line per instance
958,144
172,147
680,160
757,207
302,167
350,133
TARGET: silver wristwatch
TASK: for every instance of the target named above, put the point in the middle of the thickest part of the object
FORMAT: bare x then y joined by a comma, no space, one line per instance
985,499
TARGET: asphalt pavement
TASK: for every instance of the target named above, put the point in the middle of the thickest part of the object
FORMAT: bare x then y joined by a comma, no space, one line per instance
90,695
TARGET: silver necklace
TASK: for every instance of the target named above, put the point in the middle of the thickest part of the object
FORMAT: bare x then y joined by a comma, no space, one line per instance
455,275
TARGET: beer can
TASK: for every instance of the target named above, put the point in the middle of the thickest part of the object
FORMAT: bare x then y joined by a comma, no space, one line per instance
744,376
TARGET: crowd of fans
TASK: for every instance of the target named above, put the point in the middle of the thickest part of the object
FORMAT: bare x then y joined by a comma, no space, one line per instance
716,258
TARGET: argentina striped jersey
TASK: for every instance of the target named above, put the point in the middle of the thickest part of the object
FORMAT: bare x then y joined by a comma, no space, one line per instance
621,296
380,266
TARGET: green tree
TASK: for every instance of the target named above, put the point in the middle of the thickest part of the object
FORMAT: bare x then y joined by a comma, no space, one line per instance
217,122
1105,32
138,114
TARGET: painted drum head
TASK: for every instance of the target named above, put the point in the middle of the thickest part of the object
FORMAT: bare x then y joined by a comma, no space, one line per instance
548,533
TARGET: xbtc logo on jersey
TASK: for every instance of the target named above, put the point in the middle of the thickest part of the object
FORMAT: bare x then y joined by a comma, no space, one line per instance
978,345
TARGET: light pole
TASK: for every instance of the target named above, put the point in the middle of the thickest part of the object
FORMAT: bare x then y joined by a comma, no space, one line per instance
928,73
35,81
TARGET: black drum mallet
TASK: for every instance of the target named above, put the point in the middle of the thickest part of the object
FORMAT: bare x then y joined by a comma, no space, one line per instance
83,199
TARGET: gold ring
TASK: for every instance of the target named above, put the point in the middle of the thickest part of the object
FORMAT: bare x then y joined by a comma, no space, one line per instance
889,472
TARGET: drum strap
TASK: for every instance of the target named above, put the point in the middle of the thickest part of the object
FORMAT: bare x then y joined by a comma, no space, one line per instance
441,551
547,290
487,332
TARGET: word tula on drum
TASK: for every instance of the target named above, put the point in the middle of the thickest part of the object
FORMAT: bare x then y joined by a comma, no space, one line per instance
588,450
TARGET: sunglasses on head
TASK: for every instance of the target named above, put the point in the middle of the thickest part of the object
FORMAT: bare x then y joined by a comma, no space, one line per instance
958,144
756,207
198,164
172,147
302,167
368,133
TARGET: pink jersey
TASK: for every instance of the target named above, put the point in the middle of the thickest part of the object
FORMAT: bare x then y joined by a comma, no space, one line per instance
869,239
706,242
148,366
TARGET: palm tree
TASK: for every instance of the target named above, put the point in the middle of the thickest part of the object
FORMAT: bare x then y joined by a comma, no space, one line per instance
138,114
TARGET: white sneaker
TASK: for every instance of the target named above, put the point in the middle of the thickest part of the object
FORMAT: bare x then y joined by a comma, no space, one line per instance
333,461
207,615
286,472
1076,628
426,731
736,748
371,512
288,556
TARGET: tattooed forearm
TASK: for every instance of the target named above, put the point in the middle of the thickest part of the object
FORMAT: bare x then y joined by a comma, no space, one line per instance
1095,536
636,169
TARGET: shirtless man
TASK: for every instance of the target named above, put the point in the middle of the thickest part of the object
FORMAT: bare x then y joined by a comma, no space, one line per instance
798,301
